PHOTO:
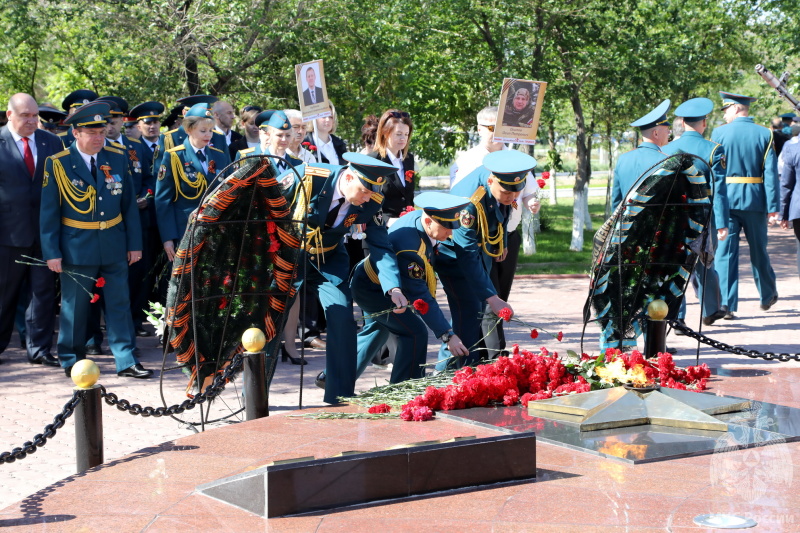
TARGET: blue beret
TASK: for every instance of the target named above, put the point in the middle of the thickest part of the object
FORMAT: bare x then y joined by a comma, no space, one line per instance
372,172
510,167
78,98
92,115
147,110
279,120
728,99
444,208
199,110
695,109
656,117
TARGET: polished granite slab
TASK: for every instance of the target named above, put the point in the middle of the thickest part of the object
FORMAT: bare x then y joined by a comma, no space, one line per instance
761,424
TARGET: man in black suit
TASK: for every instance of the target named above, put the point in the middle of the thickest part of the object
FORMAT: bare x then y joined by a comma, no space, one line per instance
312,95
224,117
23,151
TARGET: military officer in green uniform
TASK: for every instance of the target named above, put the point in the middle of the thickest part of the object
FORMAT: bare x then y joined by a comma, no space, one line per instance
695,114
275,132
334,199
175,137
186,172
754,197
654,128
414,238
90,229
465,260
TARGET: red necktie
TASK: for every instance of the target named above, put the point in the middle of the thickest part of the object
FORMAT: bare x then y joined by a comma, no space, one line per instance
28,156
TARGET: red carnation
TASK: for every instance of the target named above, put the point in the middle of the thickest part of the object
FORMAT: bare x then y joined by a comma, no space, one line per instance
305,144
95,297
545,175
312,147
409,175
274,245
560,336
541,183
505,313
534,334
150,191
101,281
421,306
380,408
271,227
223,303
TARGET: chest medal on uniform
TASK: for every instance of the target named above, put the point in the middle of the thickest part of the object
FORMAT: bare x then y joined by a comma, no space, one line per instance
135,163
514,204
348,221
415,271
466,218
113,181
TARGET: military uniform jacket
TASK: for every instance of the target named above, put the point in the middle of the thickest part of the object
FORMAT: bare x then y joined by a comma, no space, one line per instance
480,238
415,258
750,154
790,185
176,137
630,166
713,156
181,184
21,193
70,192
140,163
326,252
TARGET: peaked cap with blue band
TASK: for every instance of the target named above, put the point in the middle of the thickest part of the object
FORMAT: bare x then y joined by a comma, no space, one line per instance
510,168
442,207
91,115
656,117
372,172
119,106
728,99
78,98
695,109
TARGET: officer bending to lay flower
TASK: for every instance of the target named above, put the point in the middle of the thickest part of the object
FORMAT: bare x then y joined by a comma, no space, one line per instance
334,198
414,237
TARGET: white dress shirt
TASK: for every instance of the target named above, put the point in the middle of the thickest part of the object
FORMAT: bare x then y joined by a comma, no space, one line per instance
326,149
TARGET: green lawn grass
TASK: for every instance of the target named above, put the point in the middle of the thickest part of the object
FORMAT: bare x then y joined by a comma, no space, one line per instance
553,255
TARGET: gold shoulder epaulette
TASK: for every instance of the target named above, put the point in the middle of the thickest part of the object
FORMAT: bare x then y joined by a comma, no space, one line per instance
216,149
177,148
171,132
62,134
60,154
317,171
247,151
115,144
114,150
131,139
478,195
376,197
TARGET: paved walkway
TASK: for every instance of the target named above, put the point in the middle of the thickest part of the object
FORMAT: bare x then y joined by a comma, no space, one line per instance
32,395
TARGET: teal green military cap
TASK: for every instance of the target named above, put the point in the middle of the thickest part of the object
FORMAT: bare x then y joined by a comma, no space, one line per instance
442,207
695,109
510,168
91,115
728,99
370,171
656,117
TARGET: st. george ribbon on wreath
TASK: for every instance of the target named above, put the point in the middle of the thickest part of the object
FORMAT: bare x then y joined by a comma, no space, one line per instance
235,269
647,249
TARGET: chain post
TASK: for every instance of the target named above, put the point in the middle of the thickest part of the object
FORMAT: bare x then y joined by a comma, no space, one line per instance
88,416
255,375
655,340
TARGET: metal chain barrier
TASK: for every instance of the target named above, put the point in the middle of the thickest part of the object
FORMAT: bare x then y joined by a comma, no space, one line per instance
213,390
754,354
42,438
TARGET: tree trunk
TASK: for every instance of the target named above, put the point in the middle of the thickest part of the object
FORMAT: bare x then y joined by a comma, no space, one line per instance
551,144
529,227
580,211
192,76
584,164
611,163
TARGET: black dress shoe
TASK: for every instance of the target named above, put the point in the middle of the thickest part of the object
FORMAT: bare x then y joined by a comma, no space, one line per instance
136,371
709,320
46,359
68,371
320,381
766,306
141,332
316,343
729,315
93,349
681,323
286,357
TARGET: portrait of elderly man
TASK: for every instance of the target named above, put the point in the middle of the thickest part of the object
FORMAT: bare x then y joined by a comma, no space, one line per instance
520,107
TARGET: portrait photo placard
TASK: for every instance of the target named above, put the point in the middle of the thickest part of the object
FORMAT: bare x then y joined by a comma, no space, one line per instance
312,92
519,109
